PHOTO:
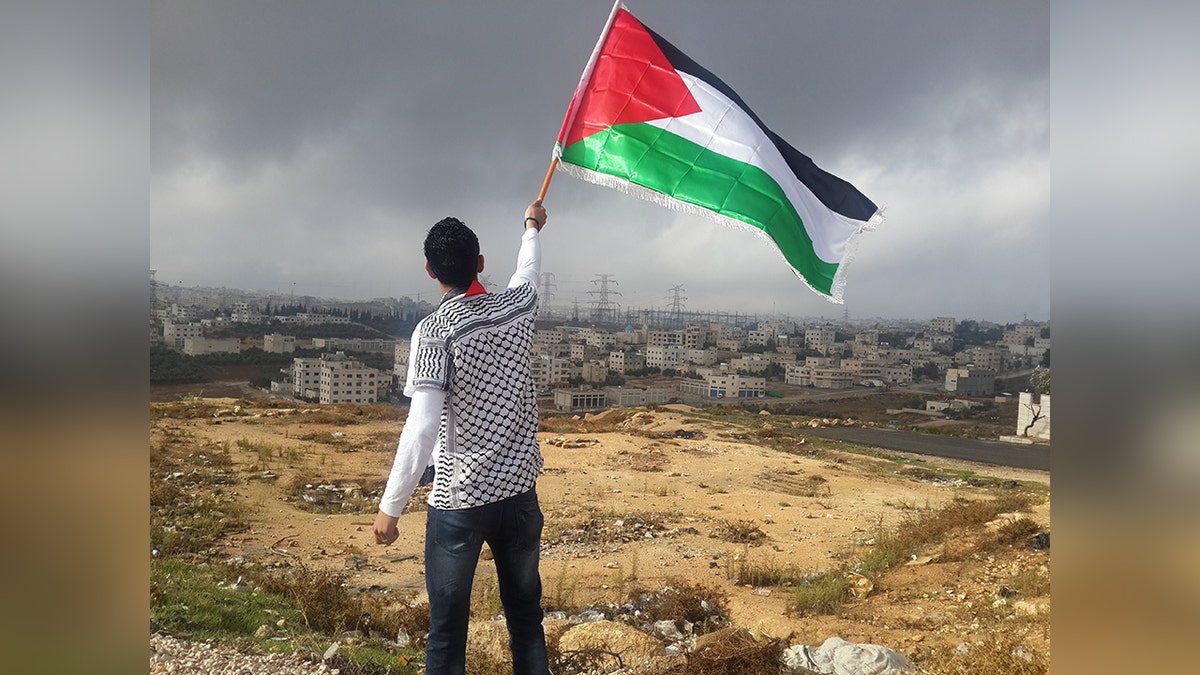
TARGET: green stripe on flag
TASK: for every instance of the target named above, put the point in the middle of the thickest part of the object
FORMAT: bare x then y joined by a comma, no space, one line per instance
661,161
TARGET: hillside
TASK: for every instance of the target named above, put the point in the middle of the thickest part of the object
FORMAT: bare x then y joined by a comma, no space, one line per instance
743,504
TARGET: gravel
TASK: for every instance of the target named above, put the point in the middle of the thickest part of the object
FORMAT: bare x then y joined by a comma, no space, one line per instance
171,655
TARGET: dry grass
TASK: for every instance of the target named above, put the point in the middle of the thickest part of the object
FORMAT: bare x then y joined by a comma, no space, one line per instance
706,608
641,461
1003,654
794,484
740,532
189,505
326,605
735,652
925,528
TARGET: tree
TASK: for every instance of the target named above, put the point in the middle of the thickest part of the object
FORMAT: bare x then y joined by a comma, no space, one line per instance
1039,383
928,371
1039,380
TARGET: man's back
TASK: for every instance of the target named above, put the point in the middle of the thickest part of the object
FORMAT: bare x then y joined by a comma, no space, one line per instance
477,349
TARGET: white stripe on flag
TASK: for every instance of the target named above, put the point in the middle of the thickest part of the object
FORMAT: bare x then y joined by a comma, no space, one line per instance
723,127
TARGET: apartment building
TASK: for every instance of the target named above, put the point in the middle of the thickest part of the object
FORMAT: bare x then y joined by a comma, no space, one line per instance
695,336
342,379
601,340
867,338
381,346
991,358
306,377
798,374
1015,338
595,370
726,386
175,333
942,324
750,363
659,338
243,313
400,360
278,343
665,356
622,361
817,337
199,346
729,344
971,381
313,319
1028,330
582,351
822,361
831,378
897,373
549,371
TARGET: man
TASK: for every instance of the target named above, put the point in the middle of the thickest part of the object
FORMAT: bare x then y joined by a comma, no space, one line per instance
474,410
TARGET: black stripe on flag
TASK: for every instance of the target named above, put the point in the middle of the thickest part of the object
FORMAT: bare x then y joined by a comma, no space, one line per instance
836,194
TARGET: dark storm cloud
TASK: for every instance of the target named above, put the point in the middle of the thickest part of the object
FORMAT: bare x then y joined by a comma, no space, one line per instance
323,138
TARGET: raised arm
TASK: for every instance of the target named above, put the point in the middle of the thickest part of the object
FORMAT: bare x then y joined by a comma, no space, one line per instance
529,264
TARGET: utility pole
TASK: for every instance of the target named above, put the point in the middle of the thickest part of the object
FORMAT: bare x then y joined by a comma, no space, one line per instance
677,297
546,293
604,310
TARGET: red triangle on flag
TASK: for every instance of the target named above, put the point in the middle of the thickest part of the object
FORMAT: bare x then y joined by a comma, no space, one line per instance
632,82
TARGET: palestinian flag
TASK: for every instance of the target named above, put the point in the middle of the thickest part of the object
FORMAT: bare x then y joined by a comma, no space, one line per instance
648,120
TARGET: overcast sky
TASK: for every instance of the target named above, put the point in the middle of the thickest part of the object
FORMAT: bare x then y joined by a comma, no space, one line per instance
313,143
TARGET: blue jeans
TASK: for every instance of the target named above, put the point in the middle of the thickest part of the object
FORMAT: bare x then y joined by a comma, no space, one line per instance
512,528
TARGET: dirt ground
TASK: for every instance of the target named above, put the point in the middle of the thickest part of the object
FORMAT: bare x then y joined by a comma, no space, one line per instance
646,503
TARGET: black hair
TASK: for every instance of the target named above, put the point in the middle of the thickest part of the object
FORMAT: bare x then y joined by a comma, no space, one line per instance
452,251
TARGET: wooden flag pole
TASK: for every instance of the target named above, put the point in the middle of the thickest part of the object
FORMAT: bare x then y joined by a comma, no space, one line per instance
549,175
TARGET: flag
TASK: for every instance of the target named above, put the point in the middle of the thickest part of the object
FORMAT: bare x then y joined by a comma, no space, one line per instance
648,120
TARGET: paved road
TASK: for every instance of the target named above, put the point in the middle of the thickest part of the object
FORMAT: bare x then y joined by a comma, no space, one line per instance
988,452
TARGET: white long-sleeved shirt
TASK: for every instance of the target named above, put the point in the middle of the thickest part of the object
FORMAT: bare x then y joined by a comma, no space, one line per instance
419,439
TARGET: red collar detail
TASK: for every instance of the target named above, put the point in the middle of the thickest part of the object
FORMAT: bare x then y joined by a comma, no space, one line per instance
475,288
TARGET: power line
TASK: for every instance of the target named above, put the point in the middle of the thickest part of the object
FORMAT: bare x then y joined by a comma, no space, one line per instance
677,297
604,310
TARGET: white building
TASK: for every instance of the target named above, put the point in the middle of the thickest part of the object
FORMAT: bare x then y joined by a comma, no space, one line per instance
306,377
382,346
243,313
665,356
342,379
400,369
633,396
942,324
750,363
200,346
175,333
622,362
551,371
818,337
726,386
579,399
658,338
1033,416
831,378
798,374
277,343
